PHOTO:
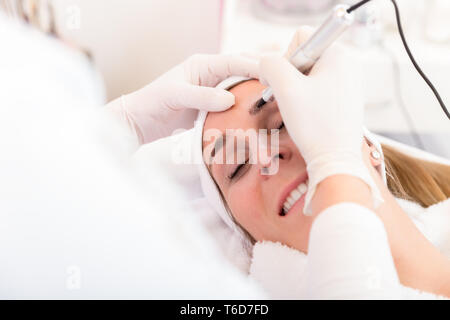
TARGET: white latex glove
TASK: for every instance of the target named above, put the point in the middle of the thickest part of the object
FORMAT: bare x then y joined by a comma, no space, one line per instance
323,113
169,102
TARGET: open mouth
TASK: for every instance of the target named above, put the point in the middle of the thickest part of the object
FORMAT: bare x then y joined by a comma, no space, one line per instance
293,193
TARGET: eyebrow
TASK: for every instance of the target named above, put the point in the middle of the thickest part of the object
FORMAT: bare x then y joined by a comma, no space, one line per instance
217,147
255,108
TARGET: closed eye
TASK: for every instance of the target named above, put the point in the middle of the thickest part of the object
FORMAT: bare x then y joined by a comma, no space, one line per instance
240,168
237,170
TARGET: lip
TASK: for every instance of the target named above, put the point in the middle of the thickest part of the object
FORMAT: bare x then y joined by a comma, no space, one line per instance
291,186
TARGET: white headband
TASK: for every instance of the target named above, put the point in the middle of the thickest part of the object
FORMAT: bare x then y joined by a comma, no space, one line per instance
209,187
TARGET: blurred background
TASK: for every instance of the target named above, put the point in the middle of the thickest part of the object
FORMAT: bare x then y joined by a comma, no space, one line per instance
130,43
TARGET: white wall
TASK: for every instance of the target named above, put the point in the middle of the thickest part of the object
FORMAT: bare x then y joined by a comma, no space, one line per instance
134,41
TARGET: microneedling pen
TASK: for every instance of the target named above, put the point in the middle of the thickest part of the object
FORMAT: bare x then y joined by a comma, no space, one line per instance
309,52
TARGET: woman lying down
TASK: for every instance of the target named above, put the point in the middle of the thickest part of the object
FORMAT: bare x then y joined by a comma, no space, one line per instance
323,187
324,192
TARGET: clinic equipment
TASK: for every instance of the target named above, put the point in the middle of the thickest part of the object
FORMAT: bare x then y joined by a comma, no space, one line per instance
340,20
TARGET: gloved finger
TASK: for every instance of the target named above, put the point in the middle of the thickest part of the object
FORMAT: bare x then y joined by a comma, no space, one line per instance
210,70
281,75
198,97
237,66
301,35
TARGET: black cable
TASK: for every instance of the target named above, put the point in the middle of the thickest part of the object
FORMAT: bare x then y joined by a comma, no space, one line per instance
356,6
408,51
402,35
399,97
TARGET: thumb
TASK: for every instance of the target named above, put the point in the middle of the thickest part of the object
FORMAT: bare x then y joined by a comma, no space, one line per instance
202,98
281,75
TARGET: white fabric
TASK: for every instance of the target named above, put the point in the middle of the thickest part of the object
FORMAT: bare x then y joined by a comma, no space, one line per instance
284,272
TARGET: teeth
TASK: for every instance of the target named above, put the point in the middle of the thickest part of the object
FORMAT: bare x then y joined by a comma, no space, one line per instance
294,196
302,188
291,199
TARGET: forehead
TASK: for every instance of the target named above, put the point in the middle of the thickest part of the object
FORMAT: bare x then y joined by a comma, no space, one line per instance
237,117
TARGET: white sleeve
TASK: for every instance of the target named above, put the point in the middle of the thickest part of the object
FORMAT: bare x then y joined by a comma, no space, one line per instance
349,256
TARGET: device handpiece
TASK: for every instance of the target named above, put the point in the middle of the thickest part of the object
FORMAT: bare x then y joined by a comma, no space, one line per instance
309,52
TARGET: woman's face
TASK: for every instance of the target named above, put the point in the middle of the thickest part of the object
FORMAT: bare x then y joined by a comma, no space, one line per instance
255,199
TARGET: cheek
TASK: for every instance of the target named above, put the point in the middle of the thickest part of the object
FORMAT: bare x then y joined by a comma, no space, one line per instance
246,204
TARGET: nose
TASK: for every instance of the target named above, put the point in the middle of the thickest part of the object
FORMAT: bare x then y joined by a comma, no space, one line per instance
271,167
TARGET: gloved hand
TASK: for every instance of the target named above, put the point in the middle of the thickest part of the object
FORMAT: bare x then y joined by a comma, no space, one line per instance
323,113
169,102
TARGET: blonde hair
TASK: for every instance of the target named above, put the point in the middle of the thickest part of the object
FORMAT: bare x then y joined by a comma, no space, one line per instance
423,182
